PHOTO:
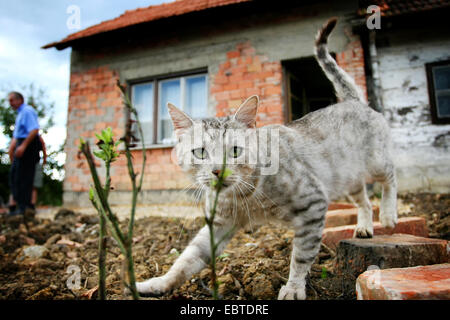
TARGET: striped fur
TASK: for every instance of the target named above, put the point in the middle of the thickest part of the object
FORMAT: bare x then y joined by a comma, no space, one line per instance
323,156
345,87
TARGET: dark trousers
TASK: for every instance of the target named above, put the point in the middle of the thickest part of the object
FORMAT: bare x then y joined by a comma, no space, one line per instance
22,175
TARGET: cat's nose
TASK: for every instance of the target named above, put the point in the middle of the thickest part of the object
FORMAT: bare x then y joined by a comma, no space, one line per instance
216,172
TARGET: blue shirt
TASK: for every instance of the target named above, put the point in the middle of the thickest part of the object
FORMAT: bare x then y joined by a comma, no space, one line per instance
26,121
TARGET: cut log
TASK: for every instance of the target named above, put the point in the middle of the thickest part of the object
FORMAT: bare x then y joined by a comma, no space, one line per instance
354,256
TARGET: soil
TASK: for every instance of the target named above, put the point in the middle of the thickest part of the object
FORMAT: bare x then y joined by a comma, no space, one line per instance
435,208
254,265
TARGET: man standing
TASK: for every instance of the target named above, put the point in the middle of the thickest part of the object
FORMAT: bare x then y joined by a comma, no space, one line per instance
24,150
38,176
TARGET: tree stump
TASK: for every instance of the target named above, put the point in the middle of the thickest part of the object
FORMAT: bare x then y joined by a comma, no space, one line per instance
354,256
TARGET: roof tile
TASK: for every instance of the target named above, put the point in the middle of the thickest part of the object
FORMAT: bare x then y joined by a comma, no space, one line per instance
142,15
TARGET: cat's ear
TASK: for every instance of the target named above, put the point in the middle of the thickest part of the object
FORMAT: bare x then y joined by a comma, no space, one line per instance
247,112
180,120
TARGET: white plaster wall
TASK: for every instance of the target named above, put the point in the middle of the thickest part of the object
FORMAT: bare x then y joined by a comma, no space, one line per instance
422,150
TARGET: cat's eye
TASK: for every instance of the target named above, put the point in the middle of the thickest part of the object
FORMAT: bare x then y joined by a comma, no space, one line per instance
199,153
236,151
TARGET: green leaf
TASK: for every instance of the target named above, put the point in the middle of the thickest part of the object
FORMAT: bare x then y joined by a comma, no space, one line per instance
110,132
105,136
91,194
223,255
227,173
105,148
82,143
324,274
100,154
99,137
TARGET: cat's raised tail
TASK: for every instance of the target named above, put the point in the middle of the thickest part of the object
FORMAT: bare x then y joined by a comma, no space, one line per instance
344,85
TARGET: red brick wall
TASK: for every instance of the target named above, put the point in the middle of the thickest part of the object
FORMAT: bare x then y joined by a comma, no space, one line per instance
92,93
160,171
352,61
244,73
95,103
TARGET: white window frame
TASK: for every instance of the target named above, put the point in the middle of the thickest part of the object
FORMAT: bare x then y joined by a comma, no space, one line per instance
153,117
157,82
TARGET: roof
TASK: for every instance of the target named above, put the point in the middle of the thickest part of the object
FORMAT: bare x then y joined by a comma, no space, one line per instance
388,8
143,15
392,8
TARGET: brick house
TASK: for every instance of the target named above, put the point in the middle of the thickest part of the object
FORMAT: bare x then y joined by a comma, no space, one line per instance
207,56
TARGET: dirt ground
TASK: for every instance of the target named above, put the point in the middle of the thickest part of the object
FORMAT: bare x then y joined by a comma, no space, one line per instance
254,265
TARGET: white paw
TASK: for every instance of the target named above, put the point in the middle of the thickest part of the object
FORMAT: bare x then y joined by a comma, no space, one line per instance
363,232
388,220
292,292
154,287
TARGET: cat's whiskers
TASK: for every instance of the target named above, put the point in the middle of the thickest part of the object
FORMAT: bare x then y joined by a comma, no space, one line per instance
190,186
252,188
255,195
260,192
234,208
197,196
244,198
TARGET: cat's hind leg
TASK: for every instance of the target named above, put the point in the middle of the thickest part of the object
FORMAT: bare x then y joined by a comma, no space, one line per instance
388,205
364,226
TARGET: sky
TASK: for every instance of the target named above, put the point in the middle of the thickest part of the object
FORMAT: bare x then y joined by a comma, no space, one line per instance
27,25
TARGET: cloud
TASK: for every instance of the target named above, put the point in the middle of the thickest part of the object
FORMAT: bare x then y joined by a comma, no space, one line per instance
28,25
23,62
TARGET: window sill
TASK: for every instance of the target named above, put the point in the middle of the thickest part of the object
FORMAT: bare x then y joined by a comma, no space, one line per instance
154,146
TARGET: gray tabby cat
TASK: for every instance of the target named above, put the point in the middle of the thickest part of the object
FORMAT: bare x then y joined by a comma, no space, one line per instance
323,156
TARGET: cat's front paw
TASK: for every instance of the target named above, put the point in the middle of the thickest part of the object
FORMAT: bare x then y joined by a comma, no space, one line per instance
292,292
154,287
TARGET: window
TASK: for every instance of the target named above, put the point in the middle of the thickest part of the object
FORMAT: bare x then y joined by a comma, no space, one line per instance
438,75
189,93
142,97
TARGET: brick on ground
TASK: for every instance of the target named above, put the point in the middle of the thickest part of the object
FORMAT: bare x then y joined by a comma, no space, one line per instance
339,206
354,256
347,216
414,283
412,225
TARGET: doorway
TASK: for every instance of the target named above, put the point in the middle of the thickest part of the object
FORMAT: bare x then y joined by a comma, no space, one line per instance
307,87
